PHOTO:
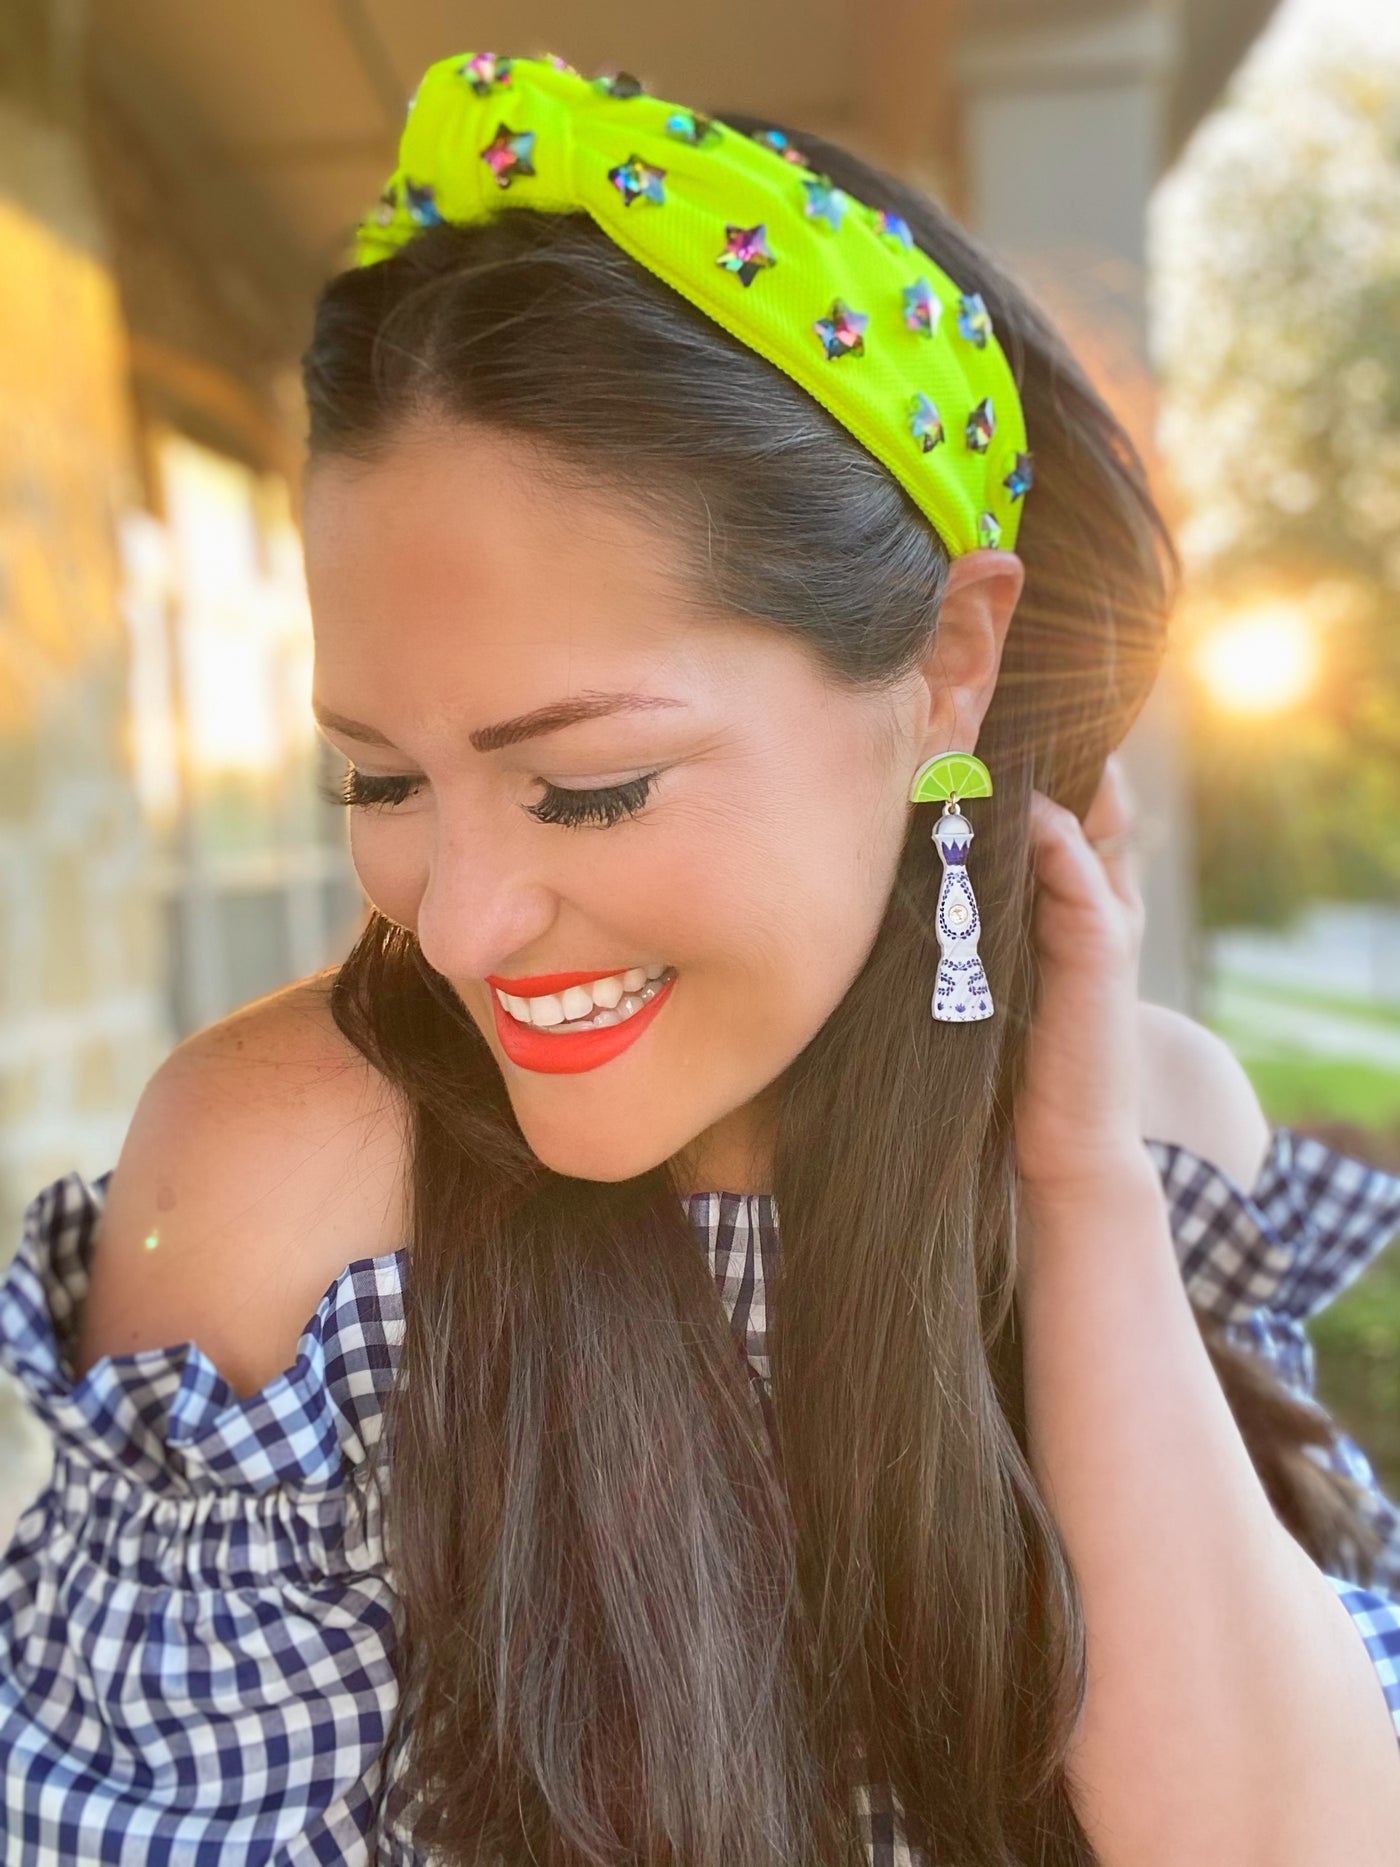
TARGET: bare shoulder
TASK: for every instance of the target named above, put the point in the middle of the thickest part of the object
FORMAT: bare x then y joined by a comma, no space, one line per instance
1196,1094
265,1154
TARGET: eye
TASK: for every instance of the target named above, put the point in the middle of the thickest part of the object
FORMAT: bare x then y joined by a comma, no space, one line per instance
605,807
571,808
357,790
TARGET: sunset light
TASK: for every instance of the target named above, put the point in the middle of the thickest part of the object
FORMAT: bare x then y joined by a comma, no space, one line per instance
1259,661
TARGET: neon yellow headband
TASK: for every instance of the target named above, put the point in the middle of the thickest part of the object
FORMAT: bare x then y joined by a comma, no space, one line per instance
831,291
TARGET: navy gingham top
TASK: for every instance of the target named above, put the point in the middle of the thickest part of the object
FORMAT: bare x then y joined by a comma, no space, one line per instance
197,1630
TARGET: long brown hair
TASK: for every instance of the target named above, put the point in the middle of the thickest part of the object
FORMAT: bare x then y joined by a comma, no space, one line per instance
637,1629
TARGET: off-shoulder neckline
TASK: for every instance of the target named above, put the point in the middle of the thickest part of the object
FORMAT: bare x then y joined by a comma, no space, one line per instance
1207,1267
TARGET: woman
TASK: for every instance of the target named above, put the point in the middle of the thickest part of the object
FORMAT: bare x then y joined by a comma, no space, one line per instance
996,1522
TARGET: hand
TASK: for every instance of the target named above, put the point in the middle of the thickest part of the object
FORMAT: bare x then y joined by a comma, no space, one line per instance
1077,1115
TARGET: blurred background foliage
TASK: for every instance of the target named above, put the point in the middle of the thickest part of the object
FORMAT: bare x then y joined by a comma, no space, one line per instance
1277,336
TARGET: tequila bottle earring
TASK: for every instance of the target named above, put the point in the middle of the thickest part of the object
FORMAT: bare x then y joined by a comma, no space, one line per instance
961,994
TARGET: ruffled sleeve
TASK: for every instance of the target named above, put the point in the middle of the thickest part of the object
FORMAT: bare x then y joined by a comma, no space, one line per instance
1263,1262
196,1624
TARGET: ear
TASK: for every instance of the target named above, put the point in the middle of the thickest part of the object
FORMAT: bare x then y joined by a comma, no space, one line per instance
961,670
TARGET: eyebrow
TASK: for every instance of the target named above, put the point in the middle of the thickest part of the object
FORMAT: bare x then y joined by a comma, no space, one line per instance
547,719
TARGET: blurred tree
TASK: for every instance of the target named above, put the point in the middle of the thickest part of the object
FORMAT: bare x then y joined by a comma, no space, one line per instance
1276,332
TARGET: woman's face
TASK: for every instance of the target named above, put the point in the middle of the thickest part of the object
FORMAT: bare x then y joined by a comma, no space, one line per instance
454,587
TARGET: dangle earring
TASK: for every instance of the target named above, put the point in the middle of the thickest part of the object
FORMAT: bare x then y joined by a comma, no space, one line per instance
961,994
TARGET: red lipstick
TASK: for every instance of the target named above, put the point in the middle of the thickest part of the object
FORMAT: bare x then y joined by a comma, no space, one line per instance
549,981
557,1053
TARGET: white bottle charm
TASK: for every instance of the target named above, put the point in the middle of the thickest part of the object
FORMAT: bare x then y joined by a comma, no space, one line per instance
961,994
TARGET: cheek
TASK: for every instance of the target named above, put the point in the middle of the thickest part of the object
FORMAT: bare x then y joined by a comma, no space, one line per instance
386,861
794,898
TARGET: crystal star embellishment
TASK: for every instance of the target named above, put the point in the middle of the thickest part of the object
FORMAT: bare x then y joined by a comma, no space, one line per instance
508,154
892,226
974,321
981,426
779,144
385,207
689,126
484,71
925,423
825,202
619,84
1021,478
561,64
922,308
746,252
841,331
421,203
635,178
989,530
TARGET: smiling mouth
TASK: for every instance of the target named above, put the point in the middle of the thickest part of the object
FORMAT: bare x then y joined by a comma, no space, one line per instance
526,1012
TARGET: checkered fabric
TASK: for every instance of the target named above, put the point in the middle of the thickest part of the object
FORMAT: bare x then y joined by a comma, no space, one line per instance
198,1629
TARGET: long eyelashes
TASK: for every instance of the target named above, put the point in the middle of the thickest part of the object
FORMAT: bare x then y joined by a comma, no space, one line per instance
357,790
605,807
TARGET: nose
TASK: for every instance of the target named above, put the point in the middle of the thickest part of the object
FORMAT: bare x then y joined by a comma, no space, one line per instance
480,910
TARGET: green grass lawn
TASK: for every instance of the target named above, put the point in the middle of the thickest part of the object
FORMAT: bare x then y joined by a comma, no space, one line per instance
1357,1337
1296,1088
1307,999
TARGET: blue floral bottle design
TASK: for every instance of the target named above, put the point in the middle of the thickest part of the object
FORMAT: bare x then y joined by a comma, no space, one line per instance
961,994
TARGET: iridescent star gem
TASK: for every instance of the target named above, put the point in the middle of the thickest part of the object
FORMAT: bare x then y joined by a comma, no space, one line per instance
989,530
890,224
825,202
508,154
689,126
1021,478
841,331
421,203
386,206
745,252
619,84
922,309
634,178
484,71
981,426
925,423
974,320
779,144
561,64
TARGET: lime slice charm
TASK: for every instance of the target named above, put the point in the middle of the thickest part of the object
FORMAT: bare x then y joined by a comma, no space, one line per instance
950,774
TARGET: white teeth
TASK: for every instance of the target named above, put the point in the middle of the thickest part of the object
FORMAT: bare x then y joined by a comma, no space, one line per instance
574,1009
601,1002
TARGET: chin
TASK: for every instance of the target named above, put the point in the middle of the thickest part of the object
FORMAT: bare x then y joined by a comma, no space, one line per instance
590,1155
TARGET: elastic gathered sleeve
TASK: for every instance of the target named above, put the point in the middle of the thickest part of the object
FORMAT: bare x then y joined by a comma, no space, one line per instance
196,1624
1263,1263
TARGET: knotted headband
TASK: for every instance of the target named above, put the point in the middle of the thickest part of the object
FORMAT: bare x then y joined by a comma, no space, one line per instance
833,292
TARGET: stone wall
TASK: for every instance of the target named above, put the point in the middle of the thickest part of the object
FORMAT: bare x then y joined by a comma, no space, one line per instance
102,292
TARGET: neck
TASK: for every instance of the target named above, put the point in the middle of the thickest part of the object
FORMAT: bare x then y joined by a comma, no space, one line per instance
735,1155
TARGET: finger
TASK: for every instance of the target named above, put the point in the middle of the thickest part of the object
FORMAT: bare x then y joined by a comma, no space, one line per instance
1065,865
1111,829
1113,808
1073,874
